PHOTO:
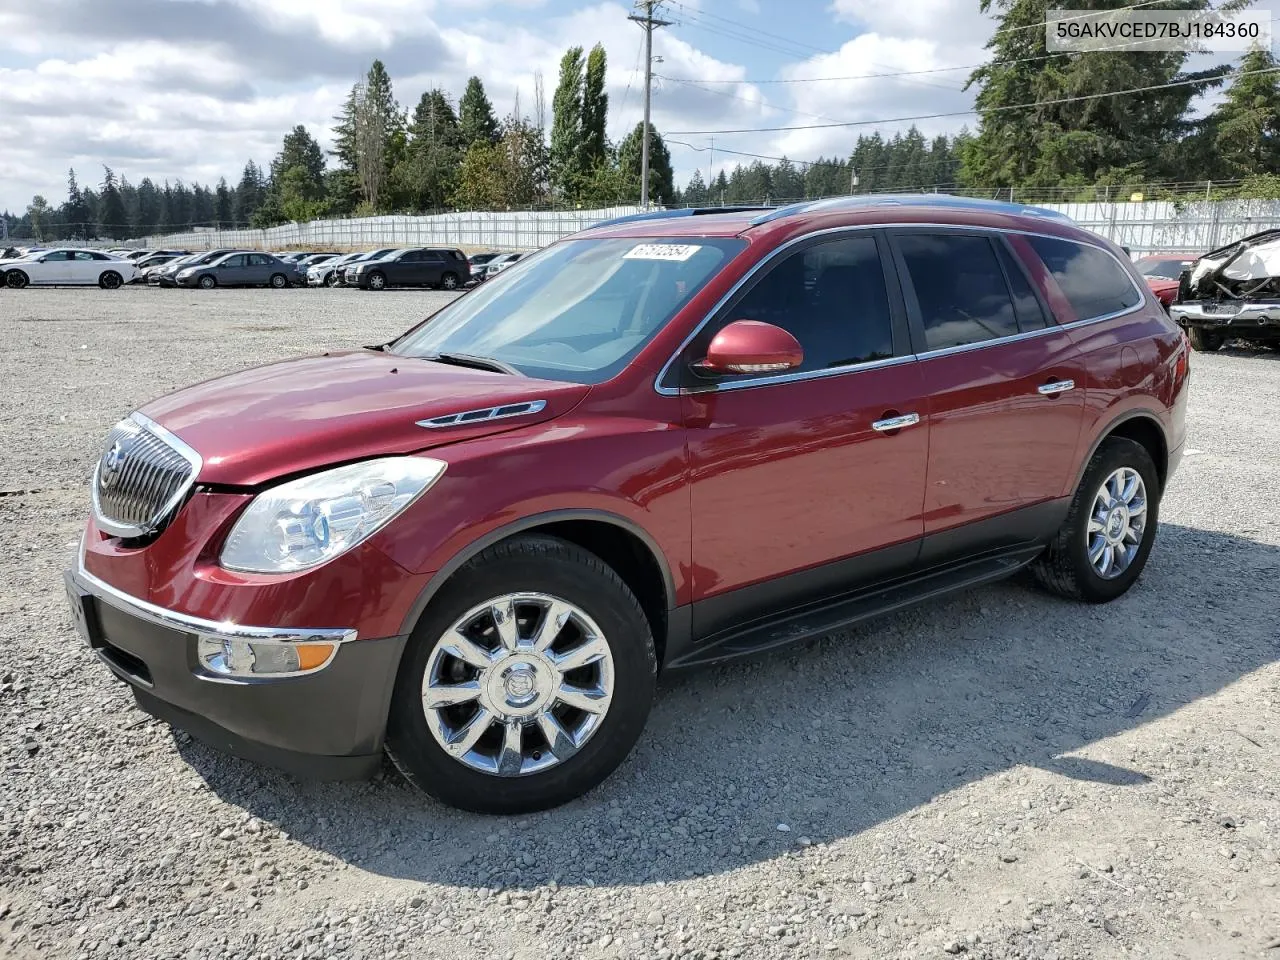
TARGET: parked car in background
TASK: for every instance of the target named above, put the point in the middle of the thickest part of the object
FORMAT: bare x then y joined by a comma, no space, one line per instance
323,274
145,264
70,266
1161,272
500,263
313,259
1232,293
667,441
288,255
414,267
242,269
166,275
478,261
340,277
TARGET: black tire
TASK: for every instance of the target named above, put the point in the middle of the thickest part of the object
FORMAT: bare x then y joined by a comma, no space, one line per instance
377,280
560,569
449,281
1204,341
278,281
207,282
16,279
330,279
1064,567
110,280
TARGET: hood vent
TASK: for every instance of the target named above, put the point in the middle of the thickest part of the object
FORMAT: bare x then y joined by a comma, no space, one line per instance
484,414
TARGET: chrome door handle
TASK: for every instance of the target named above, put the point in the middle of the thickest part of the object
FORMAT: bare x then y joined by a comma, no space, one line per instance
1058,386
896,423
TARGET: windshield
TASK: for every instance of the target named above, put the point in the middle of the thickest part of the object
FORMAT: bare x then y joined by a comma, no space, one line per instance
1169,269
576,311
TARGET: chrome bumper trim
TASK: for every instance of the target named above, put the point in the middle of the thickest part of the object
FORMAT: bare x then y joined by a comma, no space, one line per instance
198,625
1260,313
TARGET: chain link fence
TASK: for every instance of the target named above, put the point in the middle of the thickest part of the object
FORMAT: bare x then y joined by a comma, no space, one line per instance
1144,227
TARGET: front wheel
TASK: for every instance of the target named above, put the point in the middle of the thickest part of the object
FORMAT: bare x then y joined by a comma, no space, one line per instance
1204,341
110,280
207,282
377,281
16,279
278,281
527,681
1104,543
330,280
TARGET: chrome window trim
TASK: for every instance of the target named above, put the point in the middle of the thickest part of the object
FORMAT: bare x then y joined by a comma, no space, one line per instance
186,623
179,446
467,417
892,361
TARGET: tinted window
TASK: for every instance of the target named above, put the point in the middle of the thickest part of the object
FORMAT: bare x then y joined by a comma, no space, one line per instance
1025,305
1169,269
58,255
831,297
83,255
1093,282
258,260
236,261
960,288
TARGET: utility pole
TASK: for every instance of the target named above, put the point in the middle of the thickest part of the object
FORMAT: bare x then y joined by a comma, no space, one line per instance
711,165
648,22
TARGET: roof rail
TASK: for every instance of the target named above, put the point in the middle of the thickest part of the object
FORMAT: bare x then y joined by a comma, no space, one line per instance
909,199
678,212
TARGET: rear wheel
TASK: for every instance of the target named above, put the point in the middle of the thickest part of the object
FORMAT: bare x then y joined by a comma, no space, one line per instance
377,281
110,280
208,282
527,681
449,281
1204,341
16,279
1104,543
278,281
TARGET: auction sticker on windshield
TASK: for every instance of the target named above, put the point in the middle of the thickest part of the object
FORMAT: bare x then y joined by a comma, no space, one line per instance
662,251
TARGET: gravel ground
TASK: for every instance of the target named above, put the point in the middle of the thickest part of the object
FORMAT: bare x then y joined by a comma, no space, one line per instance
997,775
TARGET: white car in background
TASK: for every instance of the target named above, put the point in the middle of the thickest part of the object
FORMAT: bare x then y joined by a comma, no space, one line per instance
69,266
500,263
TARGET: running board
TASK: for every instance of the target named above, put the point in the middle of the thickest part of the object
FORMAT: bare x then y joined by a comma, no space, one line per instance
827,616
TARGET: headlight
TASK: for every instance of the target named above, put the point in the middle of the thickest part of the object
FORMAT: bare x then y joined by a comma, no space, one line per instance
185,273
306,522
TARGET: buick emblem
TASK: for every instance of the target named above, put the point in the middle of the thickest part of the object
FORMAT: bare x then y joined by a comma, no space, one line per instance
111,462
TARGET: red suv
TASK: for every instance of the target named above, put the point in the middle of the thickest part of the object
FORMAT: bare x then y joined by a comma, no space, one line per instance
661,443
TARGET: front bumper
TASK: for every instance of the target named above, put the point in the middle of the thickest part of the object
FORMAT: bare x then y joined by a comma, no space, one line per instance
326,724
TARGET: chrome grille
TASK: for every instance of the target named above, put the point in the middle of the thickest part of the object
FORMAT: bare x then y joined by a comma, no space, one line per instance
143,475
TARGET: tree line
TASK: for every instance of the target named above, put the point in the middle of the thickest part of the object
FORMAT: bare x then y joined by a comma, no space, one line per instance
388,160
1050,126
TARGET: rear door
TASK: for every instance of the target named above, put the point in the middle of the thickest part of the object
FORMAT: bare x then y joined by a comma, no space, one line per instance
1007,390
433,265
260,268
84,267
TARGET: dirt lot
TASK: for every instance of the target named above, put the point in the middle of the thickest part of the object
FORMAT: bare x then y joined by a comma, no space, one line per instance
997,775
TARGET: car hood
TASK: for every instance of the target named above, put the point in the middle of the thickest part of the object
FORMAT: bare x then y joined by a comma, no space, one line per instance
297,415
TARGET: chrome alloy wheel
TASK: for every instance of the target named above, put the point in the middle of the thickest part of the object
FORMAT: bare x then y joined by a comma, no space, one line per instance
518,684
1116,523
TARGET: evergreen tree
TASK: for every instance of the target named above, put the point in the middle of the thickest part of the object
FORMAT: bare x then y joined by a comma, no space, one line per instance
426,178
248,195
475,115
1245,126
695,194
112,221
661,181
148,213
719,190
595,111
223,205
300,149
76,216
567,151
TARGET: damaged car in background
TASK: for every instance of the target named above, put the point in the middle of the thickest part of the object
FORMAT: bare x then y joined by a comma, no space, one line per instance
1232,293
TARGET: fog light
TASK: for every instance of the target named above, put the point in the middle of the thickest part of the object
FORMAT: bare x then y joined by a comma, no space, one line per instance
234,657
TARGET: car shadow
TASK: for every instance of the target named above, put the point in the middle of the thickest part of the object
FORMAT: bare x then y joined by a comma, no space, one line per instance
832,737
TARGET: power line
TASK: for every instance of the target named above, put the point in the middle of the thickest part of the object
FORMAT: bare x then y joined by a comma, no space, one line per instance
732,96
969,113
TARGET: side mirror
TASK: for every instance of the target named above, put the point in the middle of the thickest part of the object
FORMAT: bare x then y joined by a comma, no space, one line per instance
749,346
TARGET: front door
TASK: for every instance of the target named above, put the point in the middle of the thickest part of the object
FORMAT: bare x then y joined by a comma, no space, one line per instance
54,267
1007,388
231,271
797,487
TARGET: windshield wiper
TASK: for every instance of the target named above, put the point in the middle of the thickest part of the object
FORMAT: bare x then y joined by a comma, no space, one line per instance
478,363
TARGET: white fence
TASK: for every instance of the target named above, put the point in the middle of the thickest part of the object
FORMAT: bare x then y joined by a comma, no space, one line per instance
523,230
1148,227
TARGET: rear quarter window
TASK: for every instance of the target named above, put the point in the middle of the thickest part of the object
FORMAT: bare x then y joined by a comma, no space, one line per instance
1091,279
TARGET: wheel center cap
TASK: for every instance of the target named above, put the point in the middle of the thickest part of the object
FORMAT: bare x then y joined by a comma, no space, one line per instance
1116,523
520,684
